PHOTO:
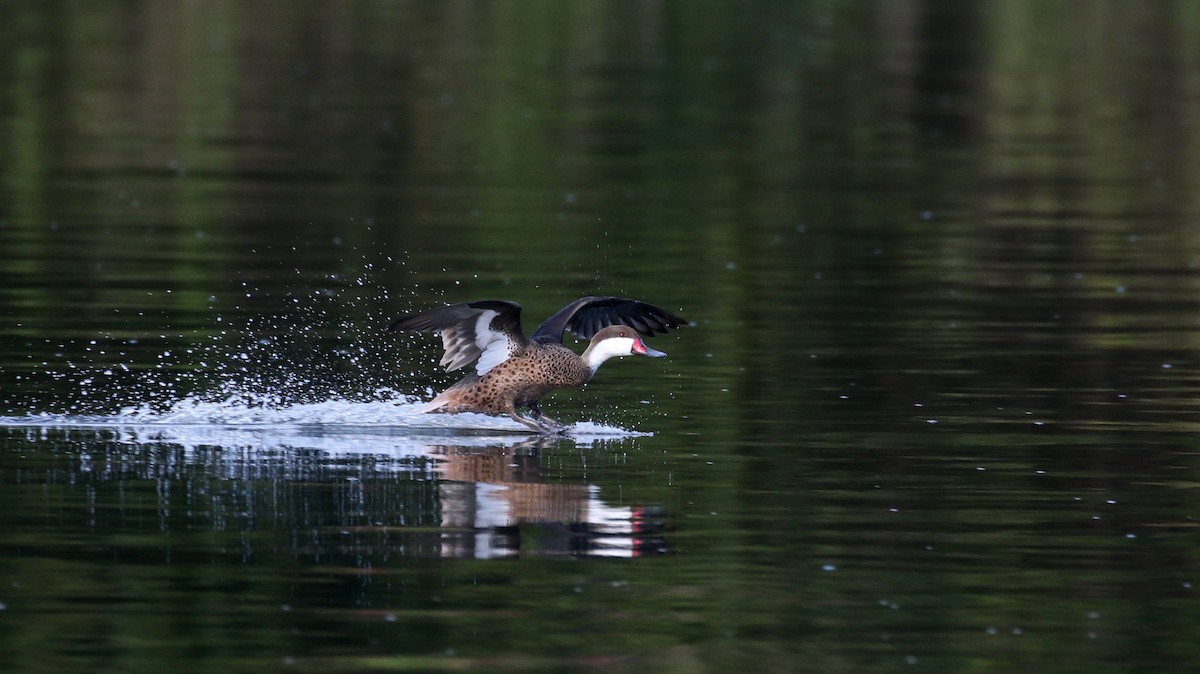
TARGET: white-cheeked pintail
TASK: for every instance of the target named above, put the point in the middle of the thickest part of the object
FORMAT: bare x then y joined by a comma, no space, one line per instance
512,371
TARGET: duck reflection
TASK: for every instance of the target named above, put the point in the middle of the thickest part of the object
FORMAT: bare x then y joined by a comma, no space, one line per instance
495,503
370,492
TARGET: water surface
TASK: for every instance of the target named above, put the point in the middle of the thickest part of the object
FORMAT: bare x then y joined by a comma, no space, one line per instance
934,410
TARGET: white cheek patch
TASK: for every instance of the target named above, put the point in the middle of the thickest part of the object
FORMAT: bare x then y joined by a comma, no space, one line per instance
613,346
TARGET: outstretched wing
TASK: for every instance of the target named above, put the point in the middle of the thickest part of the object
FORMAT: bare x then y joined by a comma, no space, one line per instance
489,330
588,315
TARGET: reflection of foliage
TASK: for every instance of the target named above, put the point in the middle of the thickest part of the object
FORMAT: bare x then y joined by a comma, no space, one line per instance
986,209
840,181
190,149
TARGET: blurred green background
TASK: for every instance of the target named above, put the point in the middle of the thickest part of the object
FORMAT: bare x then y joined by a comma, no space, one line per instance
937,406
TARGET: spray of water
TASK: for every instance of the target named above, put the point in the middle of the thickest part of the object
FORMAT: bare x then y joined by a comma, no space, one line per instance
326,362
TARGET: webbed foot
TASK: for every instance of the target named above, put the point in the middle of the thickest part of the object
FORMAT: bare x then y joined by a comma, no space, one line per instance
540,423
549,425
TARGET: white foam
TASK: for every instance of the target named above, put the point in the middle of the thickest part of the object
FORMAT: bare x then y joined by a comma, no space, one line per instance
396,415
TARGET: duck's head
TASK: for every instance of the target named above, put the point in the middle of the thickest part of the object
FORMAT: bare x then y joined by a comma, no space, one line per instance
616,340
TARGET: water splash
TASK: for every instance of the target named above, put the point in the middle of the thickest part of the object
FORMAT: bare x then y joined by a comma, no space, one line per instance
328,361
390,415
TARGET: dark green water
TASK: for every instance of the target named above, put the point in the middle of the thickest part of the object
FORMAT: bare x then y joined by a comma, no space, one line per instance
936,410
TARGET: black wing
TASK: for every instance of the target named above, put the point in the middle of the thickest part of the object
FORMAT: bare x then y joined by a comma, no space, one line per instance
488,328
588,315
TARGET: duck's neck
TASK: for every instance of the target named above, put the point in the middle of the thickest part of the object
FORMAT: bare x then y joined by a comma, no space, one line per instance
598,352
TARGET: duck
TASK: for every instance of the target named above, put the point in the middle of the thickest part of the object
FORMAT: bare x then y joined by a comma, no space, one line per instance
512,372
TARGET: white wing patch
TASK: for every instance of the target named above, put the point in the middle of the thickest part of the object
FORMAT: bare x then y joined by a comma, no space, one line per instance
497,352
494,347
465,342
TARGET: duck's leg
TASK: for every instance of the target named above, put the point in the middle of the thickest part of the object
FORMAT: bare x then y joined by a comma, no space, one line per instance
546,422
512,412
